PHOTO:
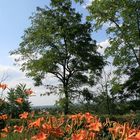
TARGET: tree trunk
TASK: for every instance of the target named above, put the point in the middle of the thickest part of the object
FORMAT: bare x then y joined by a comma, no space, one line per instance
138,25
107,97
66,106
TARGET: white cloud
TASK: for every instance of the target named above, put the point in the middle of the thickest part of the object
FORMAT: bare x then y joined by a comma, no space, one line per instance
87,3
110,24
14,56
13,76
9,72
102,46
5,68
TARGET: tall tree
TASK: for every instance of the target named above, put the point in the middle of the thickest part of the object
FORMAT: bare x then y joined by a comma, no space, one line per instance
122,18
59,43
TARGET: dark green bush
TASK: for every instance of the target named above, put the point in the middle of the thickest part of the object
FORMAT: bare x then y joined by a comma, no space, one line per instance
2,124
13,122
3,106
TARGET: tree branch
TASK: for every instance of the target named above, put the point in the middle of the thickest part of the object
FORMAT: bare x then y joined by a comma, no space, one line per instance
58,75
126,42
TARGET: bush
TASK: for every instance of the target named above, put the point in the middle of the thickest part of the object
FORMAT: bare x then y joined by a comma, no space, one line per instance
18,101
13,122
3,106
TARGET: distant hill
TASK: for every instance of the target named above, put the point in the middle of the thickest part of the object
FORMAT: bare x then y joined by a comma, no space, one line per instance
43,107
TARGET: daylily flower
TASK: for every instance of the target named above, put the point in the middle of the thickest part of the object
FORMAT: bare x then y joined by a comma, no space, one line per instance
94,126
39,136
46,126
80,136
3,86
88,117
136,137
3,117
68,128
115,130
5,130
19,100
3,135
57,132
36,123
24,115
18,129
28,91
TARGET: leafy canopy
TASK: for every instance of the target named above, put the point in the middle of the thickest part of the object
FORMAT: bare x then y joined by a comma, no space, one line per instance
58,42
122,21
121,18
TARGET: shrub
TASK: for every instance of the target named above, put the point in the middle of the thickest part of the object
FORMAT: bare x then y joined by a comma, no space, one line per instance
18,100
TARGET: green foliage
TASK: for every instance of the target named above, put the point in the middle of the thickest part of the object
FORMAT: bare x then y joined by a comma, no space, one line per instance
13,107
3,106
13,122
122,22
133,119
20,136
121,17
3,110
2,124
132,85
58,42
80,1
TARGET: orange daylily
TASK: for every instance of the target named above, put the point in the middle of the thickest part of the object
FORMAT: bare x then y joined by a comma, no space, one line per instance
3,86
124,132
18,129
76,116
88,117
5,130
36,123
115,130
3,135
24,115
95,126
80,136
68,128
133,138
46,126
92,135
57,132
28,91
40,136
136,137
19,100
3,117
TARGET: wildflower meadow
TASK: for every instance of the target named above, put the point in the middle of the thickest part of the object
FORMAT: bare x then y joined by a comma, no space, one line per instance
44,126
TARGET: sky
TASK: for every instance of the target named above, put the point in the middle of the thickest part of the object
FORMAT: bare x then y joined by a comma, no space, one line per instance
14,19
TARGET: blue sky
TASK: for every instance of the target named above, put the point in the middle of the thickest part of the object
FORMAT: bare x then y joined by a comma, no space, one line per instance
14,19
14,16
